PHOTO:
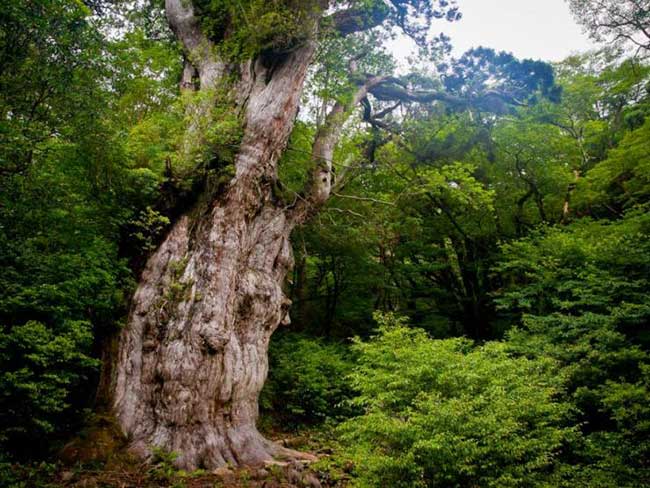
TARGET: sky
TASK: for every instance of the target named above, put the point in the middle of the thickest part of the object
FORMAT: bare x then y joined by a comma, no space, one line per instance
539,29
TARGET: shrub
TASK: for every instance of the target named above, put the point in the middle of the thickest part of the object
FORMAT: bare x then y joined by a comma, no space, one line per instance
582,294
41,370
448,413
308,380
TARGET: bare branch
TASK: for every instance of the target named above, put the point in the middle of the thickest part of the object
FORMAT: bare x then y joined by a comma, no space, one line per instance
199,50
319,184
391,90
375,120
346,210
363,199
388,110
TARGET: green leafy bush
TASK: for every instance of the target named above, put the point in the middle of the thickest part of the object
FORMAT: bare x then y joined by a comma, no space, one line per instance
447,413
582,292
41,370
308,380
255,25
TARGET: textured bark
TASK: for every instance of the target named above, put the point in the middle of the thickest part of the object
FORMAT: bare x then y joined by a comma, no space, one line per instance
193,355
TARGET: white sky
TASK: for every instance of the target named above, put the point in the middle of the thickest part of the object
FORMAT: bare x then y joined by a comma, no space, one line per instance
538,29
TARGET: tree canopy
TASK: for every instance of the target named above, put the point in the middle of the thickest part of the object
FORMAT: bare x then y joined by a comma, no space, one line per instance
623,22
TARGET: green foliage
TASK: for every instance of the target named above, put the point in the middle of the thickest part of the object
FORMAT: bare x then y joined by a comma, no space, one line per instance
34,475
621,22
247,28
308,380
243,29
465,217
163,469
42,370
148,227
622,181
456,224
542,159
448,413
41,59
583,291
71,185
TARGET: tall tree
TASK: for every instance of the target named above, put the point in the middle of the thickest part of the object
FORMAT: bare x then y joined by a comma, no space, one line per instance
193,355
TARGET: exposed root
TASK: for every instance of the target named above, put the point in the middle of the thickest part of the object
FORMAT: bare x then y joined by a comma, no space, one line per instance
212,449
285,454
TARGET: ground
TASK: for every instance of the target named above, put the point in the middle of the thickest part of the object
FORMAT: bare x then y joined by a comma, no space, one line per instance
97,459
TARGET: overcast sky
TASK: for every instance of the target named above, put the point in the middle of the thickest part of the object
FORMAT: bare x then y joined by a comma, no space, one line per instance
539,29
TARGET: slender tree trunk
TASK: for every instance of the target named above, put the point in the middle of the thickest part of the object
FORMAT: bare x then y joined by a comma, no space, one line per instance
299,290
566,207
193,355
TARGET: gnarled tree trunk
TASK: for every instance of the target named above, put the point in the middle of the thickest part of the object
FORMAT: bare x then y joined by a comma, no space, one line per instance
193,355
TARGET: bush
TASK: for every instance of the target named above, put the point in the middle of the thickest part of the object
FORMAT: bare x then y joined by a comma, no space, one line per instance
308,380
582,294
447,413
41,370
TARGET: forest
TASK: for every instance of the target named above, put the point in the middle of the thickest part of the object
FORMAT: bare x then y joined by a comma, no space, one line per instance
245,244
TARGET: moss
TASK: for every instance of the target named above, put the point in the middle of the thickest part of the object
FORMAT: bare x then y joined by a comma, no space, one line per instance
177,291
99,443
204,162
177,268
214,129
282,194
99,457
245,28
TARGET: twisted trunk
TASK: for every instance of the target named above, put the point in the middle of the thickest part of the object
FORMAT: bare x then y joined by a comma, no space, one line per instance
193,355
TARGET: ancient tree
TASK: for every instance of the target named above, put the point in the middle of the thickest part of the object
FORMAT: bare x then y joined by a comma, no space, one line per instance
193,355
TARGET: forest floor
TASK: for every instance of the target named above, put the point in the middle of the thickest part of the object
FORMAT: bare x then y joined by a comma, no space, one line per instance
97,459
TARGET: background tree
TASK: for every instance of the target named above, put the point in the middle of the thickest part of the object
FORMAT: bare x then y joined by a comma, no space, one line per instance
68,194
623,22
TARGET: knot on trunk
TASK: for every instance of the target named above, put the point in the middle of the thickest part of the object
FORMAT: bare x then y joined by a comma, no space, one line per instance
214,340
262,300
285,307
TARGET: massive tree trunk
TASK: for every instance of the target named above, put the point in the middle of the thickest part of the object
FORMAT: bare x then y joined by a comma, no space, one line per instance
193,355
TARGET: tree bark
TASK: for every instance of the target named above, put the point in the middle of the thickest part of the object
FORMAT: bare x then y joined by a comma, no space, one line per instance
193,355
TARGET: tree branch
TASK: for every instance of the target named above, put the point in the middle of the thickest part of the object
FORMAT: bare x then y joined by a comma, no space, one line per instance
199,50
363,199
392,89
375,120
319,184
353,20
